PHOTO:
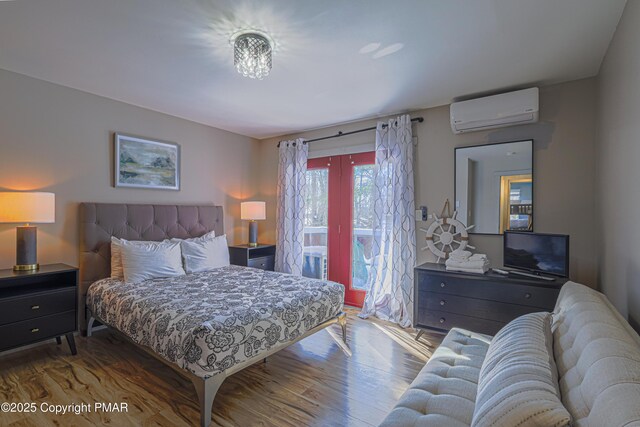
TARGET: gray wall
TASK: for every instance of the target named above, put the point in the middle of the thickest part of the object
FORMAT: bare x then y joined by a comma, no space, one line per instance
58,139
619,166
564,162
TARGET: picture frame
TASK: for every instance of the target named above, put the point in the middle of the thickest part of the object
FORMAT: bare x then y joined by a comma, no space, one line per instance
146,163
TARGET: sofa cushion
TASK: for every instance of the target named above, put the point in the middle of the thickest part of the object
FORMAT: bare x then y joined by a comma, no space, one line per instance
518,383
598,359
444,392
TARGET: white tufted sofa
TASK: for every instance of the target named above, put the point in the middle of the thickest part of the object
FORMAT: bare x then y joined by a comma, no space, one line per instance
597,354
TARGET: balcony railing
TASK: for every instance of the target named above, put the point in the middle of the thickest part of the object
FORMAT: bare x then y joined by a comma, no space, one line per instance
315,254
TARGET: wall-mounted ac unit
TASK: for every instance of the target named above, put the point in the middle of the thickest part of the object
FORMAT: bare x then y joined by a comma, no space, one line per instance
506,109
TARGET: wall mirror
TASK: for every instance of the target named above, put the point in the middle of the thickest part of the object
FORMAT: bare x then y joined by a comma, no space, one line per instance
494,186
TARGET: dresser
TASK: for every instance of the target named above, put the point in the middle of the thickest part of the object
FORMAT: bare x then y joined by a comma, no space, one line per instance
261,256
38,305
479,303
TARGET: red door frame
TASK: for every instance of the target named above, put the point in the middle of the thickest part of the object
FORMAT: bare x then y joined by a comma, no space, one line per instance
340,218
333,216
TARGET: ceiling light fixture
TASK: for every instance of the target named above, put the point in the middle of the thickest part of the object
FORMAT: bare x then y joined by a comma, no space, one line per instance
252,55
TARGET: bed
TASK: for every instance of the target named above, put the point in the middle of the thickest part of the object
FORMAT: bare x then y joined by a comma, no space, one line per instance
208,325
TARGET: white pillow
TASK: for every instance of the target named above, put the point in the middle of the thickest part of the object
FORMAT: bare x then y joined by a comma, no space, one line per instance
204,254
116,259
143,262
116,256
210,235
518,382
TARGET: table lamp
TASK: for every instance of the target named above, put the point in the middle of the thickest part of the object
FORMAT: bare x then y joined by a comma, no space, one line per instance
27,208
253,211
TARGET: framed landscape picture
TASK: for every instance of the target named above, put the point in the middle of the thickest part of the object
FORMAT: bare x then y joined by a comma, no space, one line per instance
146,163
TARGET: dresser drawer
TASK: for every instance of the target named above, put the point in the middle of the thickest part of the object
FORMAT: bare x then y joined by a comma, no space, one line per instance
264,263
38,304
443,320
485,309
28,331
493,290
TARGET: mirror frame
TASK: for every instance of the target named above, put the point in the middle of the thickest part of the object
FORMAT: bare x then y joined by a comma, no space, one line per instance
533,180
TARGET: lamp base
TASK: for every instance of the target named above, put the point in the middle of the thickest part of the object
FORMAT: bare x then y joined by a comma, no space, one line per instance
26,248
253,234
26,267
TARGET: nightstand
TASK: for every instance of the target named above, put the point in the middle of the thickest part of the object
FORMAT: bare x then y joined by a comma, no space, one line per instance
261,256
38,305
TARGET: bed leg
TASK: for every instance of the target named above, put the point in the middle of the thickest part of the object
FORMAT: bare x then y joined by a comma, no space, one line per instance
206,391
90,323
342,320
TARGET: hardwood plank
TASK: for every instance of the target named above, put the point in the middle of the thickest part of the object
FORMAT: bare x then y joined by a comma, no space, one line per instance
166,418
312,383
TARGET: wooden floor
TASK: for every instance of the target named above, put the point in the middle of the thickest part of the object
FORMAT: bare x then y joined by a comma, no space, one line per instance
312,383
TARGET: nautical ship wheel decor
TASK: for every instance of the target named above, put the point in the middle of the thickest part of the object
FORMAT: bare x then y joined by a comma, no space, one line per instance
445,235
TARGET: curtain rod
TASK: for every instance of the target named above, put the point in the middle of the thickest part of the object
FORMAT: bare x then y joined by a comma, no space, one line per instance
339,134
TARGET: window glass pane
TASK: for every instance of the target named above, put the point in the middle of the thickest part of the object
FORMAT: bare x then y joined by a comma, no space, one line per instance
315,224
362,225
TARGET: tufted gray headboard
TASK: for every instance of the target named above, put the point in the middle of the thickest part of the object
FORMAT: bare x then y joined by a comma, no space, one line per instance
100,221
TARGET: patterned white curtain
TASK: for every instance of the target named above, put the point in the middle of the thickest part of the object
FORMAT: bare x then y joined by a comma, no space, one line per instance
292,169
390,284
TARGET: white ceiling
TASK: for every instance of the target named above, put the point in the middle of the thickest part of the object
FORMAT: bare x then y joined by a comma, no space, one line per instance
335,60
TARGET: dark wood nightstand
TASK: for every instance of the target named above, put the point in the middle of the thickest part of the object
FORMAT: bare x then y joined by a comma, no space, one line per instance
261,256
38,305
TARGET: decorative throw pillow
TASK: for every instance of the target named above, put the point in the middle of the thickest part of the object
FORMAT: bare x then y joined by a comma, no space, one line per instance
518,382
204,254
116,256
143,262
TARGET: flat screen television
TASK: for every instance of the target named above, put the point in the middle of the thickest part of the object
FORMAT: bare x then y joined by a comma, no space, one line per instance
537,253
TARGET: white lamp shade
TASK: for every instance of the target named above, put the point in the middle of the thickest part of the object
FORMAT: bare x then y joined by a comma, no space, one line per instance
253,210
27,207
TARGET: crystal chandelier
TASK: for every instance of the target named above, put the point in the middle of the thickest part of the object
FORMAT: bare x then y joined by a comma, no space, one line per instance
252,55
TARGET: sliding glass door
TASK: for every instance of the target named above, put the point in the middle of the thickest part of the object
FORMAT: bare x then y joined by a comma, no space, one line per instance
338,221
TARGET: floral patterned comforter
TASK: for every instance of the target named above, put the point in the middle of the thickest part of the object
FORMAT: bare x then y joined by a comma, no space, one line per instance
208,322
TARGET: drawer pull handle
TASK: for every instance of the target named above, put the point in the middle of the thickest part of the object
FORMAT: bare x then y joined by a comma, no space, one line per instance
527,295
35,307
34,330
442,319
442,302
442,285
